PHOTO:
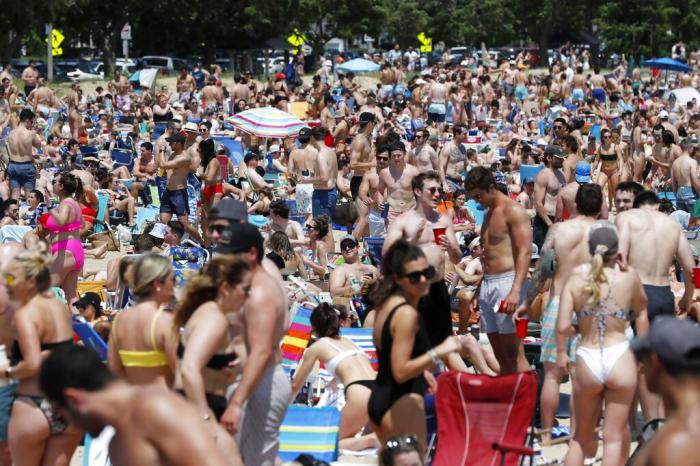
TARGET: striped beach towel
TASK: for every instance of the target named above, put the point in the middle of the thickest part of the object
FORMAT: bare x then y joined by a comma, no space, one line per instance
298,335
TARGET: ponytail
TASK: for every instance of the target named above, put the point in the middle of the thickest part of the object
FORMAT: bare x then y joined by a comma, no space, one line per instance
596,276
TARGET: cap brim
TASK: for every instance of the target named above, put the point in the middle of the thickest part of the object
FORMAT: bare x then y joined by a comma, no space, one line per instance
583,179
641,344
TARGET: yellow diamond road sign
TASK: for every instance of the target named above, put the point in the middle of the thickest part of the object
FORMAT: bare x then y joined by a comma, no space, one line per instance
296,39
56,38
426,43
56,52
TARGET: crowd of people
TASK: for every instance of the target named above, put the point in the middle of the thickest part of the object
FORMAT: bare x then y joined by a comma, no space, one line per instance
561,199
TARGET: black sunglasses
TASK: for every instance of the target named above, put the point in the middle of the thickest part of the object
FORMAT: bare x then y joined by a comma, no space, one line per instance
217,228
435,189
402,441
414,277
382,158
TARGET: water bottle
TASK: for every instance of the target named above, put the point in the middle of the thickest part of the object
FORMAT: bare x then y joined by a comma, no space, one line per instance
4,362
355,284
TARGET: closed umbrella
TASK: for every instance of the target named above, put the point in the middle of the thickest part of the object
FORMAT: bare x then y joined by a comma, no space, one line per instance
359,65
267,122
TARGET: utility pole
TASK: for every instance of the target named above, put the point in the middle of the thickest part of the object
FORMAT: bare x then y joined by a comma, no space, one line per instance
49,52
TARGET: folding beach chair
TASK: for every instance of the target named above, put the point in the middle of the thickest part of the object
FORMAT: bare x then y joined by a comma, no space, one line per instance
311,431
482,418
362,337
477,211
373,248
123,158
298,335
144,215
187,261
90,338
96,286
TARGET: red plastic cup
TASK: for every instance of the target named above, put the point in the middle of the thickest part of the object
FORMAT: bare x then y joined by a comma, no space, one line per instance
437,233
521,327
502,306
449,195
696,277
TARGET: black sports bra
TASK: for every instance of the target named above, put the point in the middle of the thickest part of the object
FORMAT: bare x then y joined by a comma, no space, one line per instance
608,157
216,362
17,351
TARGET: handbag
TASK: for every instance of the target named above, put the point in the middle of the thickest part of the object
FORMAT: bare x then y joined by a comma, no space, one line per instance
109,237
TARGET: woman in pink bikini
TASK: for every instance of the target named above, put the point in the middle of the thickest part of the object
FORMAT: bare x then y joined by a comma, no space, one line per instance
64,224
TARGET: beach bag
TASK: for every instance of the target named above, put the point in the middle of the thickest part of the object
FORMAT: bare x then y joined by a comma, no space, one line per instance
344,212
109,237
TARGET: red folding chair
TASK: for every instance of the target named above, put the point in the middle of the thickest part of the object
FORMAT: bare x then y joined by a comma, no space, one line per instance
481,419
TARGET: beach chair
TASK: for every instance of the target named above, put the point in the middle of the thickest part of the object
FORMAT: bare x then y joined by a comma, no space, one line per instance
96,286
145,214
298,335
311,431
373,248
363,338
187,261
90,338
477,211
484,420
96,449
671,196
235,148
123,158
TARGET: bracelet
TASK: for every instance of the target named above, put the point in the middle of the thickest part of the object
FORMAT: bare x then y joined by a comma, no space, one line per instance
434,356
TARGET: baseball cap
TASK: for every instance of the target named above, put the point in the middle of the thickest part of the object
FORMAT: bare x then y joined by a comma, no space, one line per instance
475,242
583,172
676,342
158,231
366,117
555,151
663,114
88,298
529,179
239,237
602,234
347,239
274,148
304,134
177,137
534,252
229,209
191,127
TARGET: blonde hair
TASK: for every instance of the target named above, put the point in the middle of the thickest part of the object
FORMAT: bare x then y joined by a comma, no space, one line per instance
149,268
596,275
35,263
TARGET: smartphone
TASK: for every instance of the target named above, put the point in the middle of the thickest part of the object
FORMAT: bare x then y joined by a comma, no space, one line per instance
305,173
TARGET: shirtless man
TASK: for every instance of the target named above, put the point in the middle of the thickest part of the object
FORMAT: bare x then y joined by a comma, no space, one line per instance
240,90
437,102
371,107
386,78
212,95
453,161
301,163
548,183
506,237
597,83
565,249
326,116
417,227
341,129
72,100
684,179
625,194
153,425
259,401
668,354
395,182
346,279
21,169
325,173
566,201
669,244
423,156
185,86
30,76
119,87
145,168
369,199
663,153
361,151
521,81
174,199
8,307
279,221
526,198
663,121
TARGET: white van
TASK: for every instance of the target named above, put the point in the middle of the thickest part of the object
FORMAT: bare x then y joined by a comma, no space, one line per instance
167,65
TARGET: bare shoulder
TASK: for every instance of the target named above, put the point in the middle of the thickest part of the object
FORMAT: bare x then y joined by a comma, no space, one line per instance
514,211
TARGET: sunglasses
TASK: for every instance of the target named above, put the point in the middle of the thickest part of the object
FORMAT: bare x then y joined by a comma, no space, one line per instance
9,279
217,228
311,227
348,247
382,158
414,277
558,127
202,130
435,189
607,137
400,442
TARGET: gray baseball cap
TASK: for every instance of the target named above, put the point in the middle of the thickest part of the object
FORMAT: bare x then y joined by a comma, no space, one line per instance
676,342
229,209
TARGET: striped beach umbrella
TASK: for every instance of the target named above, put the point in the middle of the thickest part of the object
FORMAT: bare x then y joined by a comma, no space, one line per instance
267,122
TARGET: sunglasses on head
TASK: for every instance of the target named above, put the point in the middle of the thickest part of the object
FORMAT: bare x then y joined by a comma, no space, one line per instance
402,441
414,277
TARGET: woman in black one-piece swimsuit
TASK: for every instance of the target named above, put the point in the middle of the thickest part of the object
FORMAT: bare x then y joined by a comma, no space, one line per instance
396,404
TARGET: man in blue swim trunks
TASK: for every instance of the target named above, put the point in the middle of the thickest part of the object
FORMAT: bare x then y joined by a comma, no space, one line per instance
174,199
21,169
684,178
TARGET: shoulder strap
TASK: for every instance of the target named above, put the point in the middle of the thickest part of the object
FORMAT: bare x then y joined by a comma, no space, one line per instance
154,320
328,342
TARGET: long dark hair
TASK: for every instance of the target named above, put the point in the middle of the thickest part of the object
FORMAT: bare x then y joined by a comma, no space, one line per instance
205,286
393,263
325,320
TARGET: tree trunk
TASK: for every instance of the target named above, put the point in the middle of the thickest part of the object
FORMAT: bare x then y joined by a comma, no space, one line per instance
108,52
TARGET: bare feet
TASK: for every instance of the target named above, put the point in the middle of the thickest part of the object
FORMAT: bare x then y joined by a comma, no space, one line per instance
98,252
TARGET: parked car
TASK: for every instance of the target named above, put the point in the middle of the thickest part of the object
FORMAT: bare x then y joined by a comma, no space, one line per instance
87,71
19,64
166,65
457,55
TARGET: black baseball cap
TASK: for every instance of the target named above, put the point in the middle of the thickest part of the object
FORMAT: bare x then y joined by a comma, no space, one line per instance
240,237
229,209
347,239
88,298
304,134
676,342
555,151
177,137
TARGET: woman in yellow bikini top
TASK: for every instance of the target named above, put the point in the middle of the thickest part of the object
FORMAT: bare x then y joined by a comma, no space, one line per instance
142,349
